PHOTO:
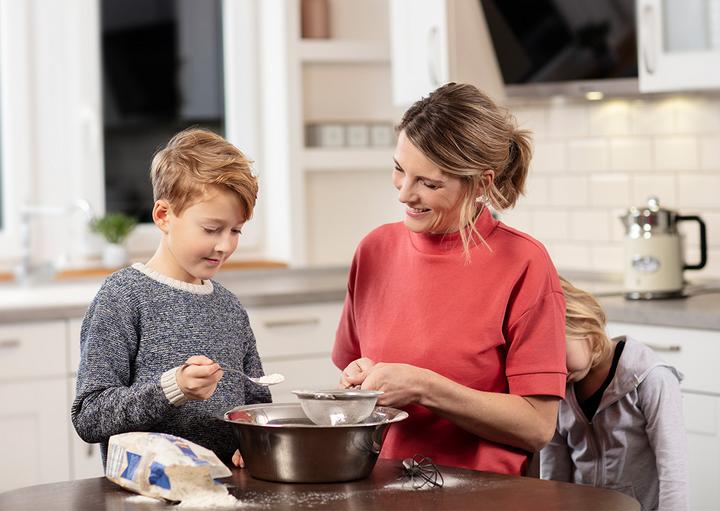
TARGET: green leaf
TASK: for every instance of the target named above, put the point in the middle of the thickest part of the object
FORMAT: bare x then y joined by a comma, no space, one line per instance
114,227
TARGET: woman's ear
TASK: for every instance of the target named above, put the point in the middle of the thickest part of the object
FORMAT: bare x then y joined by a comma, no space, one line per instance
486,179
160,214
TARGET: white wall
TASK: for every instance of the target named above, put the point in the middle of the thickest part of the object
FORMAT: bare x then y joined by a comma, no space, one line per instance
594,160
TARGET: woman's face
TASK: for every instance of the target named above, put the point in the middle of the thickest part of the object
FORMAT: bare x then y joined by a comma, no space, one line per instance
578,359
432,198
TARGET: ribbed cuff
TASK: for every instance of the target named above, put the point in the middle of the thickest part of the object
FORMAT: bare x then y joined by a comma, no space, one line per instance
170,387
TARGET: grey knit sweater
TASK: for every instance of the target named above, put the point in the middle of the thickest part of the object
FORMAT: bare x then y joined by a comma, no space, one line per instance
138,329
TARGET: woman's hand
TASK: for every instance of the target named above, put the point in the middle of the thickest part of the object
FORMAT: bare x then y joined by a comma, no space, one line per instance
402,384
356,372
198,377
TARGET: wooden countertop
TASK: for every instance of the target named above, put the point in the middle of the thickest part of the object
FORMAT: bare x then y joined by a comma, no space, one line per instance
463,489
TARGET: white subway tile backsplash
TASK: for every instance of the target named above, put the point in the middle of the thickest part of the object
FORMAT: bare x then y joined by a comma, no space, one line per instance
548,225
570,256
549,156
648,117
609,118
537,190
533,119
710,152
594,161
610,190
608,257
569,191
664,187
676,152
567,120
519,219
698,191
588,154
589,226
631,153
697,114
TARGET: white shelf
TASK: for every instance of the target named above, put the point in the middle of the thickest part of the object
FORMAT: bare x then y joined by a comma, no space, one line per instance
338,51
347,158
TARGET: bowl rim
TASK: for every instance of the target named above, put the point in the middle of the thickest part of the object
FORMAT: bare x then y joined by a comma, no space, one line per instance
399,415
337,394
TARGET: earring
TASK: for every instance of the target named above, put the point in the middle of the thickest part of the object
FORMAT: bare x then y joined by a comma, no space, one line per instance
481,199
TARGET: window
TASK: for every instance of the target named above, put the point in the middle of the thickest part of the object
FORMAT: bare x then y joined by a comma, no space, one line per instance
162,71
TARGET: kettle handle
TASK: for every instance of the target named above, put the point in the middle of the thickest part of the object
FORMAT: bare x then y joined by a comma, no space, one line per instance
703,242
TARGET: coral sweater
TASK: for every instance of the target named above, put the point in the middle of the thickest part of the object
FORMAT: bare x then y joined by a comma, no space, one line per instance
495,324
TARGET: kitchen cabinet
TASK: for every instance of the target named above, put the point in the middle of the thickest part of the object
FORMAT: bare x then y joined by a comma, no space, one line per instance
438,41
297,341
678,44
34,425
695,353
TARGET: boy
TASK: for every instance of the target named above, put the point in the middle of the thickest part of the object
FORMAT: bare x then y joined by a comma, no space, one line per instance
155,336
620,425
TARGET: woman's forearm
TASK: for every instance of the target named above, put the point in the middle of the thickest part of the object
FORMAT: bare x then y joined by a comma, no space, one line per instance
524,422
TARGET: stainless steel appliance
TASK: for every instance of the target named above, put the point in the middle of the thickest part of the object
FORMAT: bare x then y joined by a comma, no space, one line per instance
654,261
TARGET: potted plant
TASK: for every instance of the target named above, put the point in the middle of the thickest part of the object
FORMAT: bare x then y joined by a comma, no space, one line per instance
114,227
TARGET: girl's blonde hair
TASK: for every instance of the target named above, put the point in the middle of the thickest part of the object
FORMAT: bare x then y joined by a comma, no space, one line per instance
462,131
585,320
195,159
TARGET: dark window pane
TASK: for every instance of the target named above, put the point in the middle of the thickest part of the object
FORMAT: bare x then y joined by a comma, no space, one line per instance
162,72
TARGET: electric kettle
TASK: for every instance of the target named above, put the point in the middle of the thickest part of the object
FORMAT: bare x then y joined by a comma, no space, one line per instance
654,260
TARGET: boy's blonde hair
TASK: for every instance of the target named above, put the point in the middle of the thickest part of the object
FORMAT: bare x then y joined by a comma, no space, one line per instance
585,321
195,159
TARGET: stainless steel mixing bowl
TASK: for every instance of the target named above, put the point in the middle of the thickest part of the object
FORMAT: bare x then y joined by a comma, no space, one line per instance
279,443
337,406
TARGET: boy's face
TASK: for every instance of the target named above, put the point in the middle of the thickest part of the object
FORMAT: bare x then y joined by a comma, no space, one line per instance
199,240
578,359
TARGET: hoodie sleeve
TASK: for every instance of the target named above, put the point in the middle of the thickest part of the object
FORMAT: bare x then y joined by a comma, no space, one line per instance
555,462
661,402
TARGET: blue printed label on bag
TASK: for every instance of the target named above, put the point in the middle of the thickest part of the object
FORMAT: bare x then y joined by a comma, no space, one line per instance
133,460
158,477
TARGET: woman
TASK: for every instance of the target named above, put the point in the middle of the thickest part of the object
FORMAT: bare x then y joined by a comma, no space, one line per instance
455,316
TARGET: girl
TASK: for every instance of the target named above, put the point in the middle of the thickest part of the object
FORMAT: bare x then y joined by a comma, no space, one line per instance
620,425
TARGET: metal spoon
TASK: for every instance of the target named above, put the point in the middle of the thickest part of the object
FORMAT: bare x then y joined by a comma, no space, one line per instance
265,381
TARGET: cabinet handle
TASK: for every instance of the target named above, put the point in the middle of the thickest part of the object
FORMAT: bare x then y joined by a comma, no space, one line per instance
664,347
433,56
7,344
277,323
90,450
648,40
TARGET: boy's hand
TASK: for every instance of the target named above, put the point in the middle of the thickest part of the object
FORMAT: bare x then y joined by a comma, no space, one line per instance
237,459
198,377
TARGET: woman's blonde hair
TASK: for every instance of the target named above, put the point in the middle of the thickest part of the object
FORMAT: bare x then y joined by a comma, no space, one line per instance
585,320
462,131
195,159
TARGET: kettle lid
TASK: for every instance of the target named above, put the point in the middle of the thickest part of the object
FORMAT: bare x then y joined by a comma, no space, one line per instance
651,217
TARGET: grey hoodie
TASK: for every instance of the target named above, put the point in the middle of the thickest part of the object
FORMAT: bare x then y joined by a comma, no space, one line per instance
635,442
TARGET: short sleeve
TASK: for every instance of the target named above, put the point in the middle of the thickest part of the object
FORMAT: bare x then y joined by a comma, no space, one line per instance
535,363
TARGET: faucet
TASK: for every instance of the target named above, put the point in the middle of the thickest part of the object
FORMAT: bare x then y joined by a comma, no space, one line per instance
26,271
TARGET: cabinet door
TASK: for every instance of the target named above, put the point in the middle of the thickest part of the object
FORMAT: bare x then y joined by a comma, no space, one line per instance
419,48
32,350
702,422
678,44
33,433
296,341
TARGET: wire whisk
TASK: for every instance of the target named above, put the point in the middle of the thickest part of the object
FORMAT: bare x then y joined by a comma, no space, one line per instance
422,472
